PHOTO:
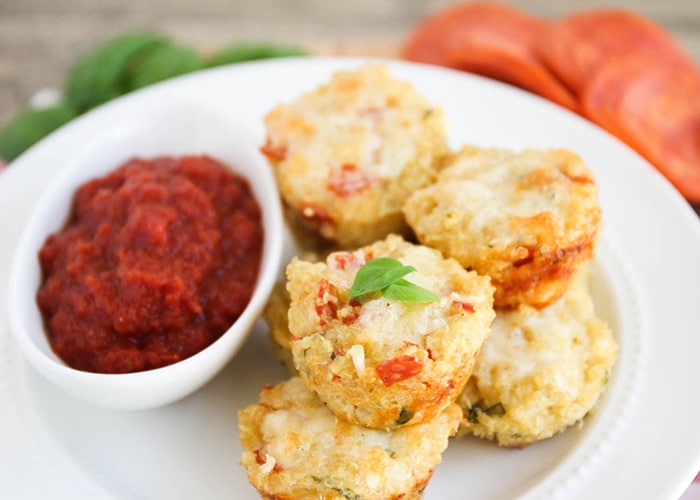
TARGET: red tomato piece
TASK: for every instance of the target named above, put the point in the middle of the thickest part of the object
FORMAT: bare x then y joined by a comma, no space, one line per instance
260,459
463,306
348,180
315,215
326,302
274,152
350,312
347,260
399,368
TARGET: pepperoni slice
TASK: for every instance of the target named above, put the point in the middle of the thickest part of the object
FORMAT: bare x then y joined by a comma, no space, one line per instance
578,45
655,109
490,39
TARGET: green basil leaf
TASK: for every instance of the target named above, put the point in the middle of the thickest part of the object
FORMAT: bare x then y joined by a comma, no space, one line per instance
160,63
31,125
386,275
406,291
241,52
103,73
377,274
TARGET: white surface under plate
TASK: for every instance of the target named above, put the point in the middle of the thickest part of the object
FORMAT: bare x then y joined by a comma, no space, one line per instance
642,443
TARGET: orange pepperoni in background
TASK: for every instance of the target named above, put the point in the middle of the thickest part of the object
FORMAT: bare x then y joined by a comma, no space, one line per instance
634,80
615,67
655,109
577,46
490,39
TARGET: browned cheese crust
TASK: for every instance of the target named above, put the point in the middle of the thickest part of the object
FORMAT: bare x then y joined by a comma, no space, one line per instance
294,448
347,155
527,219
540,371
384,363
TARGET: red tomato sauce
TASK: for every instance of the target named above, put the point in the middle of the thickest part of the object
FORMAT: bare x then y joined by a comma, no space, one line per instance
156,261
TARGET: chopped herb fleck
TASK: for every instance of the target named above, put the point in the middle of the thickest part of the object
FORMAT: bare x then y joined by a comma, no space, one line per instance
404,416
496,410
348,493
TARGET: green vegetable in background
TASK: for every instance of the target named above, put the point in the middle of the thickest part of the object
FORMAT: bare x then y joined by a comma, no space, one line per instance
385,275
241,52
117,67
29,126
105,72
160,63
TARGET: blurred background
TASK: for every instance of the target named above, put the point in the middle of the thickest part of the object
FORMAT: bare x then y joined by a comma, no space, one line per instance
39,39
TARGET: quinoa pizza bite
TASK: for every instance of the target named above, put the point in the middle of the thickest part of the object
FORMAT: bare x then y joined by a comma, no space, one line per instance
540,371
381,362
528,219
347,155
294,448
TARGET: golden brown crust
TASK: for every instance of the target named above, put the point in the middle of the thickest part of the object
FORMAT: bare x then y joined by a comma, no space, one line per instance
542,277
527,219
383,363
295,448
540,371
347,155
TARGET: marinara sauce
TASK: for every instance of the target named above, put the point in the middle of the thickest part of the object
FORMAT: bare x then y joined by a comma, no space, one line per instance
156,261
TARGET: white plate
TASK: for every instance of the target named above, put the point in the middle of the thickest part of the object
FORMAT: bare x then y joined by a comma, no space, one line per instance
642,443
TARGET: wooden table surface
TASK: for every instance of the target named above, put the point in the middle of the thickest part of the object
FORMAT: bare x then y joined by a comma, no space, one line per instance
39,39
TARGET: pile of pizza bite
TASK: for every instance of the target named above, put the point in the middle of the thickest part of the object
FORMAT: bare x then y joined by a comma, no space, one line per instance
441,292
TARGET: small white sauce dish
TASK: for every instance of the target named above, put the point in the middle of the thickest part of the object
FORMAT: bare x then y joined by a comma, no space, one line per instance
144,131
